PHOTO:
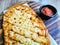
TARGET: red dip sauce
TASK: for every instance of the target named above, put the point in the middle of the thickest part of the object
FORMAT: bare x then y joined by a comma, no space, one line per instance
47,11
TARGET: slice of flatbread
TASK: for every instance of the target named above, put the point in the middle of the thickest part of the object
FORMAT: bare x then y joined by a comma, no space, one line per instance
23,27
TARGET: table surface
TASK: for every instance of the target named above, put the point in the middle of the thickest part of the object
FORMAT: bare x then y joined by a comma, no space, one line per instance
52,24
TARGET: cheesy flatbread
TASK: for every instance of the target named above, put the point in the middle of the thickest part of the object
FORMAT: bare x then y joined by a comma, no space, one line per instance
23,27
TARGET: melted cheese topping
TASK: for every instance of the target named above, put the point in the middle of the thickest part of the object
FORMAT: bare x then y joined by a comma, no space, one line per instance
25,28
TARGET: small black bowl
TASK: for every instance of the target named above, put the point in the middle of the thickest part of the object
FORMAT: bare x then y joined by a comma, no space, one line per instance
45,17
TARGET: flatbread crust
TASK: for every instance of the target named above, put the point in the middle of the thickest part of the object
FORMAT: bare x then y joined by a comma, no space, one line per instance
23,27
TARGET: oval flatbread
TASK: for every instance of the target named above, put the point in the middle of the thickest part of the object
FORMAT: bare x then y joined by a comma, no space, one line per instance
23,27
